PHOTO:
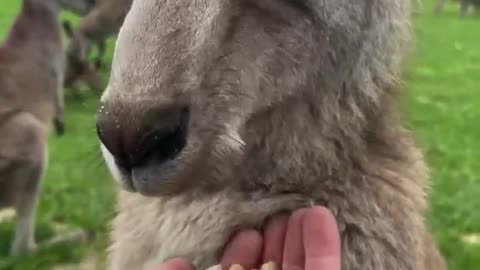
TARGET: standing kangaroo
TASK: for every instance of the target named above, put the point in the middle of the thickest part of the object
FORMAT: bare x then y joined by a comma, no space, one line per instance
31,97
222,113
102,21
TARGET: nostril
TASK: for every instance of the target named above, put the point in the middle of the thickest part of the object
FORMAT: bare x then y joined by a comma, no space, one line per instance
137,136
163,144
113,145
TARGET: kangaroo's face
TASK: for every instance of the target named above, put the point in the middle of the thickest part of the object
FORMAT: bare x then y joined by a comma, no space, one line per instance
189,76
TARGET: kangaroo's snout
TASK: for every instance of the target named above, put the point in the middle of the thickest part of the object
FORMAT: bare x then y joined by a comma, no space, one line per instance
144,143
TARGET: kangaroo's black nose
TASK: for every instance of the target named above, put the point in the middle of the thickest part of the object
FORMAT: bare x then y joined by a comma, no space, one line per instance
136,136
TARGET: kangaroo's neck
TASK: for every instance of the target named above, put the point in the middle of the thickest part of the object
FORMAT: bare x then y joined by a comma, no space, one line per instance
36,25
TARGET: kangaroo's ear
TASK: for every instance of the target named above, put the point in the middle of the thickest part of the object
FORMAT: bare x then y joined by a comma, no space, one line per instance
67,27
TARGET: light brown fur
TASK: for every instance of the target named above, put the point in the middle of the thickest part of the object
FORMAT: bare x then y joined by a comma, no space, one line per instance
290,103
31,97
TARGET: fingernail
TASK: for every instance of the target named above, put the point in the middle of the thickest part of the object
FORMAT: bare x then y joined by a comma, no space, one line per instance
171,264
269,266
236,267
215,267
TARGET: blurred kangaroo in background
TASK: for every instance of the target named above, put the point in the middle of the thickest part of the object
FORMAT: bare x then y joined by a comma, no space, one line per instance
31,97
222,113
464,6
81,70
417,6
81,8
102,21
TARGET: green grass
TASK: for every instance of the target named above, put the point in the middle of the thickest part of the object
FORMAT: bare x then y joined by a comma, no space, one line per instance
442,106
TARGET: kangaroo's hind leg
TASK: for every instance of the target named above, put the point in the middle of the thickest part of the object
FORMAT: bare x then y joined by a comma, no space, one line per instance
24,142
26,208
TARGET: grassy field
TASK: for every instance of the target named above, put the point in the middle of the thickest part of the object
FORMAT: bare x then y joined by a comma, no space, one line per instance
442,106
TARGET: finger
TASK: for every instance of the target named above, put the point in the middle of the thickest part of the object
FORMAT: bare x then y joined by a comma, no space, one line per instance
245,249
174,264
321,240
274,239
293,253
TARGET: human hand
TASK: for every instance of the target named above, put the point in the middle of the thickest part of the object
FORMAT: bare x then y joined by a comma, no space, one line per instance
307,240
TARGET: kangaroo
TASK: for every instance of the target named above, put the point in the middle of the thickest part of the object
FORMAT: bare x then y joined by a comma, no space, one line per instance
31,97
417,7
81,8
464,6
102,21
82,70
221,113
